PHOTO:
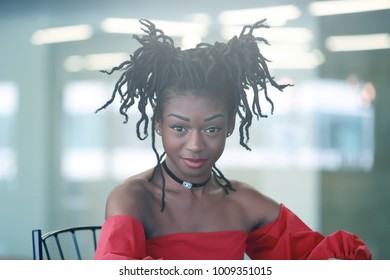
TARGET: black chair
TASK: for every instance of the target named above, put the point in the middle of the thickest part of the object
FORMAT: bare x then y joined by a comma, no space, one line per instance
68,243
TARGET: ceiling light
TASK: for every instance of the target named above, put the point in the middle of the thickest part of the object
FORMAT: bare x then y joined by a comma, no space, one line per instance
274,34
121,25
276,15
62,34
326,8
358,42
94,62
295,60
171,28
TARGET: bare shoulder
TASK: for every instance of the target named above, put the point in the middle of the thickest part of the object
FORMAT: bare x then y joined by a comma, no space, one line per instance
257,206
130,197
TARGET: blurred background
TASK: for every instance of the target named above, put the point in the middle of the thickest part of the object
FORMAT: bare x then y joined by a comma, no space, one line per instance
323,153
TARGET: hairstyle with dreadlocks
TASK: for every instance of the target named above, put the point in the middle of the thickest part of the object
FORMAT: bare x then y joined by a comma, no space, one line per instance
226,70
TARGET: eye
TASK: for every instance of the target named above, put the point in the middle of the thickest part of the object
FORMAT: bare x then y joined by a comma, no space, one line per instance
178,128
213,130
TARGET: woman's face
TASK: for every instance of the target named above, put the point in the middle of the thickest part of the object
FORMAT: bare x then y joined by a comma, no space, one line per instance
194,131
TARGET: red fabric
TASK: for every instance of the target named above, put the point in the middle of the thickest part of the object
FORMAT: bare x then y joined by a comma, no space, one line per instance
224,245
123,237
289,238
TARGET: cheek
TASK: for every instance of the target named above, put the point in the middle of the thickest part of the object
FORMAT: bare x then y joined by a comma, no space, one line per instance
217,146
170,140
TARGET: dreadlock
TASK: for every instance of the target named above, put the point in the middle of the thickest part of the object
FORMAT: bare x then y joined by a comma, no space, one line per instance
225,70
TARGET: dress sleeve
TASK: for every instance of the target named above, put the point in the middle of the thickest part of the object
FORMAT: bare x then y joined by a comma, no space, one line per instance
121,238
289,238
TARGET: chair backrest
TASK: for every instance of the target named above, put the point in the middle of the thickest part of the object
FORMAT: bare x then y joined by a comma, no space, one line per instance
68,243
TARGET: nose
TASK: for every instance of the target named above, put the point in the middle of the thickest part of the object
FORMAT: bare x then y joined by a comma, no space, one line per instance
195,142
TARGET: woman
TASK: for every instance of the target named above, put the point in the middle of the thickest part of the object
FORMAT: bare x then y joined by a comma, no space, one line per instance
184,207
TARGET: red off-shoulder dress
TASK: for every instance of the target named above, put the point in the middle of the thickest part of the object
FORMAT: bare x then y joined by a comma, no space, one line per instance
123,238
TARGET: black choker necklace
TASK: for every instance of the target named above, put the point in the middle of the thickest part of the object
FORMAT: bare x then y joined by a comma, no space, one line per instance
185,184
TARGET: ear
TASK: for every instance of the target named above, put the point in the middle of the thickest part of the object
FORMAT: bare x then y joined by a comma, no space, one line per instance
231,126
157,126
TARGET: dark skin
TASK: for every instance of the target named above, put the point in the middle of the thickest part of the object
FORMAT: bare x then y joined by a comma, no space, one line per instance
194,130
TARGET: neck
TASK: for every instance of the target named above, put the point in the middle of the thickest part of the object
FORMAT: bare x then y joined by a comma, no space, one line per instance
185,184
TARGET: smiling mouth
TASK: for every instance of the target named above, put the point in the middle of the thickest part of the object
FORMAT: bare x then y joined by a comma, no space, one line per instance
194,162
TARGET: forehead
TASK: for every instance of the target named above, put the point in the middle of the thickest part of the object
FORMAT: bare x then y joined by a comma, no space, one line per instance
191,104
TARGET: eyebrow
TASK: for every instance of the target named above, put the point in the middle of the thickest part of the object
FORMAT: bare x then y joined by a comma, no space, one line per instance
188,120
214,117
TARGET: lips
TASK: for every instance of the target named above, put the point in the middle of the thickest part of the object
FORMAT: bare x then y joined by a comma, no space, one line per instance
194,162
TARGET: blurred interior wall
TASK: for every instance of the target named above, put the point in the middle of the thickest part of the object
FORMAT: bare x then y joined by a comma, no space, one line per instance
355,201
